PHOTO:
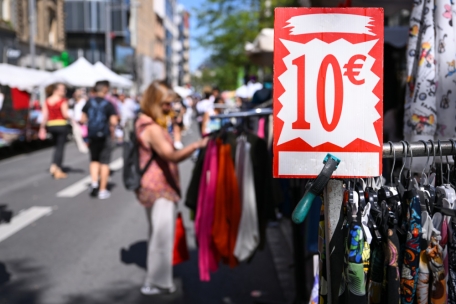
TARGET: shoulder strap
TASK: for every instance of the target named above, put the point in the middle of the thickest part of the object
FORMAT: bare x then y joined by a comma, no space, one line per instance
138,139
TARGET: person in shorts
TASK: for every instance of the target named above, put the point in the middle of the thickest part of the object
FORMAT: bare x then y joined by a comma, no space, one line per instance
101,118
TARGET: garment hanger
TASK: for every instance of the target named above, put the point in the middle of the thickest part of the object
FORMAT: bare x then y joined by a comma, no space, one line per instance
424,188
410,181
445,191
424,177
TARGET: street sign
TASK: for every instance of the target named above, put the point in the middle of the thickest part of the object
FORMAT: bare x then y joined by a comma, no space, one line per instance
13,53
328,90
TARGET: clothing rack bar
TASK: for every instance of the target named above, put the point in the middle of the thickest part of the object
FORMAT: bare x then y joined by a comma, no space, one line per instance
255,112
419,149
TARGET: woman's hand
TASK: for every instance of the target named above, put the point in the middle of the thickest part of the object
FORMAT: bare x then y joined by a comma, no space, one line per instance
202,143
42,134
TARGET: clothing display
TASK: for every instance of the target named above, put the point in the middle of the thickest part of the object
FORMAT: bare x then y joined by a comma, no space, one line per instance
230,193
391,244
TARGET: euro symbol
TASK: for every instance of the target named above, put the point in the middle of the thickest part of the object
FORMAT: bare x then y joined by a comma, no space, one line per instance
350,69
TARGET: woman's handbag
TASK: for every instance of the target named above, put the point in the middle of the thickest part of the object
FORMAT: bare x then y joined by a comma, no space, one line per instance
180,252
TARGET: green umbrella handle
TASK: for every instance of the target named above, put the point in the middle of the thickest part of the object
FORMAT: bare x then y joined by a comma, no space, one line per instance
303,207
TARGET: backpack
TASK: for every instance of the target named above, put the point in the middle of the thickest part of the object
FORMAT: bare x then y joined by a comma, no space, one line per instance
98,126
132,173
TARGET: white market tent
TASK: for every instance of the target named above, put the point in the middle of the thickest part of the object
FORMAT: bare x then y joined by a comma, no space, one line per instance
260,51
21,78
82,73
114,79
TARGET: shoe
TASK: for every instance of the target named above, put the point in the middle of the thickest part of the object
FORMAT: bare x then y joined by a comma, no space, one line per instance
59,174
93,191
150,291
104,194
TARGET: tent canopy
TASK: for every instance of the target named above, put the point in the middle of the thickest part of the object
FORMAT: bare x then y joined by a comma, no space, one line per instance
260,51
115,79
21,78
82,73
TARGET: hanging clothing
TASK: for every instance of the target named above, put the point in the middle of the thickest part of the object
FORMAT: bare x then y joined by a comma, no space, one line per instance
248,236
392,270
227,208
207,256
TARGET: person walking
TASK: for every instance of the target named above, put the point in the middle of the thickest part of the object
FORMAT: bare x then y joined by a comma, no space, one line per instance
101,119
159,191
55,115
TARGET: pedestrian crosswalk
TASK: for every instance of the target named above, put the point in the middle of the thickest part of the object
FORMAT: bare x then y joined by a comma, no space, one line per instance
22,220
81,185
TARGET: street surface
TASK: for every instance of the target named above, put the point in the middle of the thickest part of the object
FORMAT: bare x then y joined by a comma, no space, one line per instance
64,247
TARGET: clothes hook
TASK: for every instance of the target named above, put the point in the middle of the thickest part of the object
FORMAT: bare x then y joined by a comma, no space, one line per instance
405,150
441,161
411,158
428,157
433,151
394,161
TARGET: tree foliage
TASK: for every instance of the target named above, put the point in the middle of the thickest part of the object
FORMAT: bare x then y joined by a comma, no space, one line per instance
228,25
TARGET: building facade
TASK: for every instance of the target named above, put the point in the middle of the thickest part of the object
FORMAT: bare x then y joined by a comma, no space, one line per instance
87,31
148,35
15,32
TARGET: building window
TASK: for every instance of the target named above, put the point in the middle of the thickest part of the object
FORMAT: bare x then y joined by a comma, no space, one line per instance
5,10
52,24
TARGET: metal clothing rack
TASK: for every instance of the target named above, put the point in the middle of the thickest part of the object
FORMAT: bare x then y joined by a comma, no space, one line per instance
333,193
243,114
420,148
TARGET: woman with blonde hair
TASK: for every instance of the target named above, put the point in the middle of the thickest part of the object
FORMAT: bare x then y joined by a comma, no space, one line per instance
159,191
55,121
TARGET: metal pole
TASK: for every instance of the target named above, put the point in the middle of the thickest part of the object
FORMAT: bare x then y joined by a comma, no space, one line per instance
419,149
108,42
32,24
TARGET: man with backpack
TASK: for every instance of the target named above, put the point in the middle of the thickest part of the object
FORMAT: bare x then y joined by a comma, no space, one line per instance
101,118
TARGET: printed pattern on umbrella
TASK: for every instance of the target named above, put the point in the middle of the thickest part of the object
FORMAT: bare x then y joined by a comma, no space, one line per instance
435,257
410,268
452,264
355,276
420,99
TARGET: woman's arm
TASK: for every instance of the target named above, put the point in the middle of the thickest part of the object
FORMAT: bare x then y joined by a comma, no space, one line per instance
45,114
205,122
155,137
64,109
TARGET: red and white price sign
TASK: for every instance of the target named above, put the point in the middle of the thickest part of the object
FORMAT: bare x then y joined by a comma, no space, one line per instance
328,90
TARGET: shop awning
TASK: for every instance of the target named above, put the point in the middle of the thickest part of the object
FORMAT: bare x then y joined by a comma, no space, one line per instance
21,78
115,79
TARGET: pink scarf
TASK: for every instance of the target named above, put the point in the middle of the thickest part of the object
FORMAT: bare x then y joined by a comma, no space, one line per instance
205,213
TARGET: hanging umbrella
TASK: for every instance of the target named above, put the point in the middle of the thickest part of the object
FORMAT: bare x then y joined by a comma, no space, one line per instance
420,99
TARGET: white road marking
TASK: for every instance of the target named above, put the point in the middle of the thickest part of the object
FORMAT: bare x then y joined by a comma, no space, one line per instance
81,186
22,220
